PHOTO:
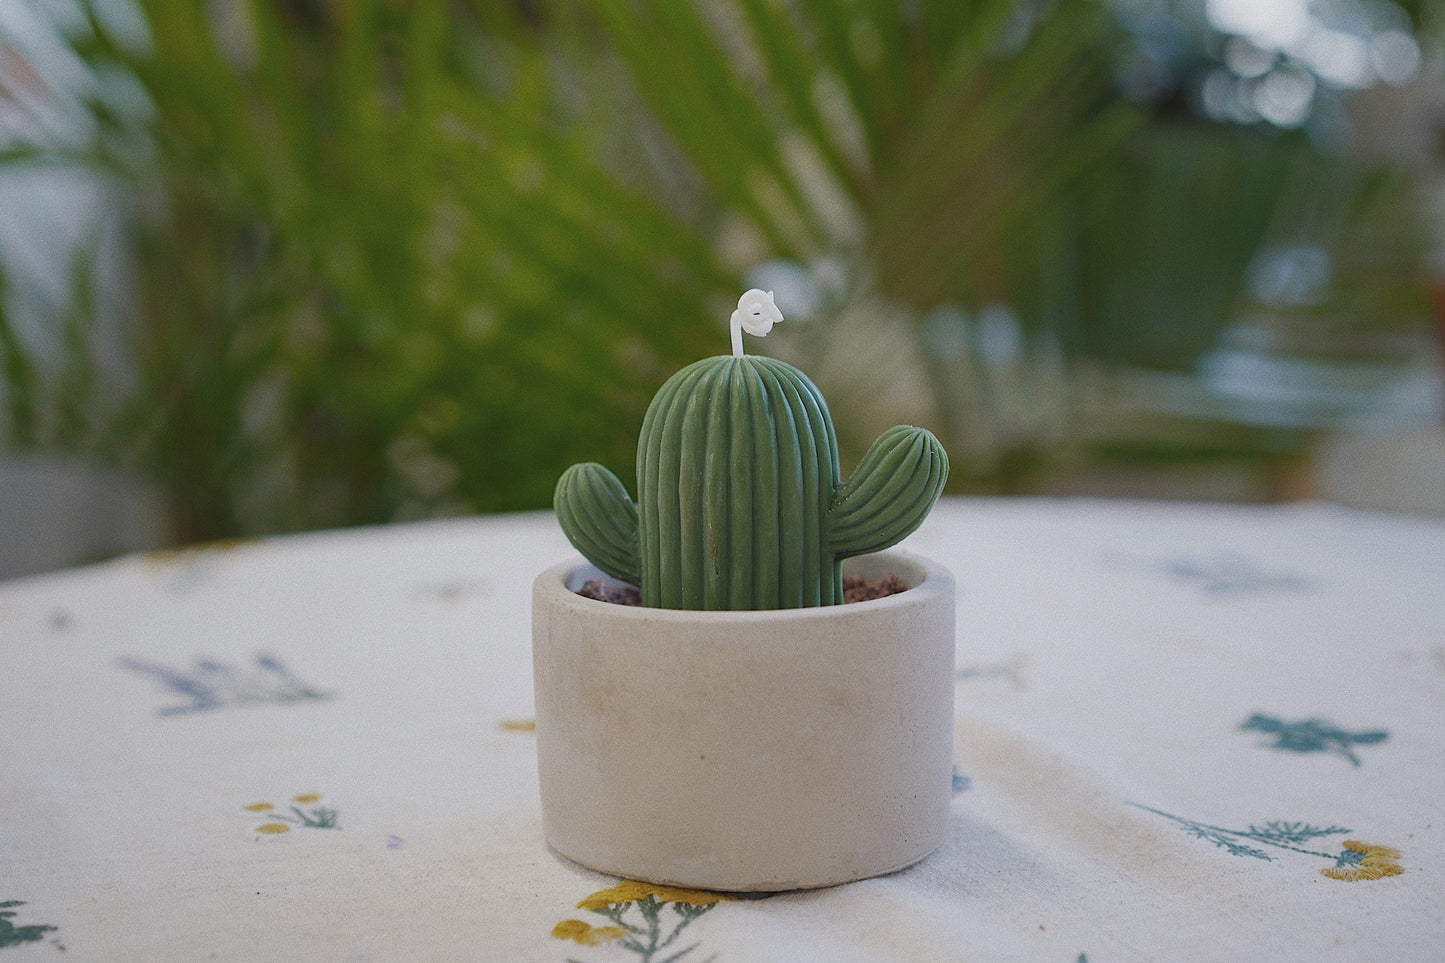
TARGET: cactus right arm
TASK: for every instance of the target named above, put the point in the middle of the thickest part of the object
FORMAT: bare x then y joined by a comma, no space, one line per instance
599,519
891,492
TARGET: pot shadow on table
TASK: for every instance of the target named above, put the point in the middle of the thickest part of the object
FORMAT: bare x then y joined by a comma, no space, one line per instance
973,856
580,869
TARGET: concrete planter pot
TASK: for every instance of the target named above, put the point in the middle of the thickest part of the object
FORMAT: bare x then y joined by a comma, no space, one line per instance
746,751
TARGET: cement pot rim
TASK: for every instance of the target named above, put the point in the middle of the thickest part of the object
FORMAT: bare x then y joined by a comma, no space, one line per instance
746,751
559,584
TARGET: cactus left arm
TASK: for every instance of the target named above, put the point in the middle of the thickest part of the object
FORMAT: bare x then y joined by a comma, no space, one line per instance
599,519
890,493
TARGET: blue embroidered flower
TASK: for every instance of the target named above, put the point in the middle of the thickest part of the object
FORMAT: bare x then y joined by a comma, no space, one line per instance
1225,574
1012,671
210,684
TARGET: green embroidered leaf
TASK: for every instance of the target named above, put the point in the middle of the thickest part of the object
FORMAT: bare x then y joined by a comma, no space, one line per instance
1277,832
12,935
1312,735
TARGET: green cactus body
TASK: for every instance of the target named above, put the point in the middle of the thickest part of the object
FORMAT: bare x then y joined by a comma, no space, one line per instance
740,503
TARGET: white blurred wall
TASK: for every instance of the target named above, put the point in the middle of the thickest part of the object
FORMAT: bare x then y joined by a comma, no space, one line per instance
56,512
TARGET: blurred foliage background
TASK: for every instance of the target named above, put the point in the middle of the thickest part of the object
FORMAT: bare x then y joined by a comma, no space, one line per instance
352,261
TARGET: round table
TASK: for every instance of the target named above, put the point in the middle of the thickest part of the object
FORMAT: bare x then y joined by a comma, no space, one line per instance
1183,732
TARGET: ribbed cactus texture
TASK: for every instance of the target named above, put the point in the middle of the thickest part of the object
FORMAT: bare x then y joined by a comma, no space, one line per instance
740,501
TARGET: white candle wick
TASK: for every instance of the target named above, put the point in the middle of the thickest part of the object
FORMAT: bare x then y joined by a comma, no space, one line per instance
756,314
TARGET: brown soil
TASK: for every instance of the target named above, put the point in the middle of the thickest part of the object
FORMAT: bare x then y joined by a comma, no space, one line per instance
856,588
618,593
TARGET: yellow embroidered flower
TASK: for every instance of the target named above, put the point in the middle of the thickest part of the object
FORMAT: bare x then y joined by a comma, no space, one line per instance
586,933
273,828
309,797
629,891
259,807
1365,861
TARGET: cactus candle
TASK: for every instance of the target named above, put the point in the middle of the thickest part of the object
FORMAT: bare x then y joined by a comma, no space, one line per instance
740,499
718,750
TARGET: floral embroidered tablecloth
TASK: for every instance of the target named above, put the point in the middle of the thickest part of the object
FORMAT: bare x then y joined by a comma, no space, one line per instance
1183,733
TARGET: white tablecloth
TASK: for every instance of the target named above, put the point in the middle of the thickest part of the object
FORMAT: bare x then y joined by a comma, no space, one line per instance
1184,733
